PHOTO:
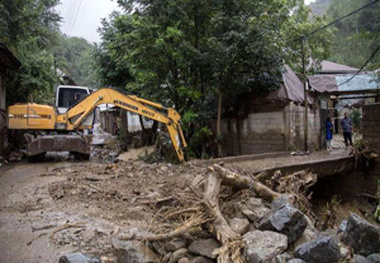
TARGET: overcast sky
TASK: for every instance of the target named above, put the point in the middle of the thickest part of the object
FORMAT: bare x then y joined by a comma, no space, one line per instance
82,17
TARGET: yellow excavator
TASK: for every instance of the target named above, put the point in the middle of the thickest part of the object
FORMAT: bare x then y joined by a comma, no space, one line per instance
51,129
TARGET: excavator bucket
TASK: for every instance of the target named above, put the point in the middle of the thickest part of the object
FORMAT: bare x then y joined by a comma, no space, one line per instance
40,144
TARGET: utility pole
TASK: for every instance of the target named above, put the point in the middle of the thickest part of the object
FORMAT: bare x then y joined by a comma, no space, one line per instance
306,123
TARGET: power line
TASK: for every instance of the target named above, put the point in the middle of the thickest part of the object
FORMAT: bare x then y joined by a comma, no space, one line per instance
337,20
365,64
69,14
75,16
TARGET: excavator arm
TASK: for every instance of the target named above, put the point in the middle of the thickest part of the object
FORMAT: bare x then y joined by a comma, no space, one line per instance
76,114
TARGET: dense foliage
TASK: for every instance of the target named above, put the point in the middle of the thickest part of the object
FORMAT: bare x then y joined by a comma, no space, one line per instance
356,37
30,29
183,53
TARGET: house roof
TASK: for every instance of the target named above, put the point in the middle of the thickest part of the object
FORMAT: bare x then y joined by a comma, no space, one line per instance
7,59
292,88
329,67
344,84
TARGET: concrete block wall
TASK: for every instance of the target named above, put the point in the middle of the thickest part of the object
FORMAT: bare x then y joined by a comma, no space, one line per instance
258,133
294,127
271,131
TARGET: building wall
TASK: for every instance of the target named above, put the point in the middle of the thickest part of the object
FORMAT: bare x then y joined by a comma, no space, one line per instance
294,127
258,133
371,133
271,131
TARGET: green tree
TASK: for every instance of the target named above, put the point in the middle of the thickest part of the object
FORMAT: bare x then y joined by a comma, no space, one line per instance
74,56
357,36
30,29
194,55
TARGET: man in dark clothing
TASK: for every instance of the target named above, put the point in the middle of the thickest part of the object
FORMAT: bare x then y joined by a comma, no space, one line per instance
346,123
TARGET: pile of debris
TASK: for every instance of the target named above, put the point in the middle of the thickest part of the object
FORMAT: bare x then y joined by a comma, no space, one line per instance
195,213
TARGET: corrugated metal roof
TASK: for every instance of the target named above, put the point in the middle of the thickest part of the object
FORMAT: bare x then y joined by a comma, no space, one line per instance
338,83
359,82
329,67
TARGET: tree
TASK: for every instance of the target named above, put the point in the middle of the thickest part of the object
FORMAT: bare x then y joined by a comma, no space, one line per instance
357,36
74,56
30,28
196,55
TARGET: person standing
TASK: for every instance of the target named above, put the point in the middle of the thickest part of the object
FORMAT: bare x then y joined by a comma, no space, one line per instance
346,123
329,132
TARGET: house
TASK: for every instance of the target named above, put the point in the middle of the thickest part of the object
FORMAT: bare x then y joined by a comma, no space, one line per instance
340,89
7,62
273,121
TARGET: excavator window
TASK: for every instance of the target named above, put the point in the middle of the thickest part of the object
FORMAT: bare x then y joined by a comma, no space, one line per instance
68,97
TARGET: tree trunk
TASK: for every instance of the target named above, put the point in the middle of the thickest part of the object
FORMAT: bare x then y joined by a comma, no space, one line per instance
218,123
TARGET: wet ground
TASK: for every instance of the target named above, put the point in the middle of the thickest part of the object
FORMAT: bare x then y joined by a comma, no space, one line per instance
60,206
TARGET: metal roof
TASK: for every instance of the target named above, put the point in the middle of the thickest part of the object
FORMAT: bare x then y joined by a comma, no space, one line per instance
329,67
337,84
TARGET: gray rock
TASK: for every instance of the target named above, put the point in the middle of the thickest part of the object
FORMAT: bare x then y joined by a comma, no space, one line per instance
201,259
176,244
255,214
342,227
362,236
134,251
282,200
77,258
375,258
296,260
204,247
283,258
263,246
238,225
360,259
286,220
306,236
177,255
254,209
321,250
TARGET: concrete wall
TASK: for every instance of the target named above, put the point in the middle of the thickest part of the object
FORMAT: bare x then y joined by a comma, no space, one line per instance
371,133
258,133
271,131
294,127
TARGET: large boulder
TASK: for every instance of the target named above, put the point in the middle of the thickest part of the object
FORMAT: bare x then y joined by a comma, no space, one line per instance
286,220
361,235
204,247
321,250
263,246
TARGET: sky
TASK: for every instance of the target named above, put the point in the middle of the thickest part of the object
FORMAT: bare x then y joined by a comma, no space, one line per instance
82,18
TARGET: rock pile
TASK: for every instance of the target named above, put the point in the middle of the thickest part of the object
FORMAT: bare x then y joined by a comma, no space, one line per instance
249,222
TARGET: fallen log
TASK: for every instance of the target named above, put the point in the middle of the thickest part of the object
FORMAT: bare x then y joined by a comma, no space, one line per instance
240,182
